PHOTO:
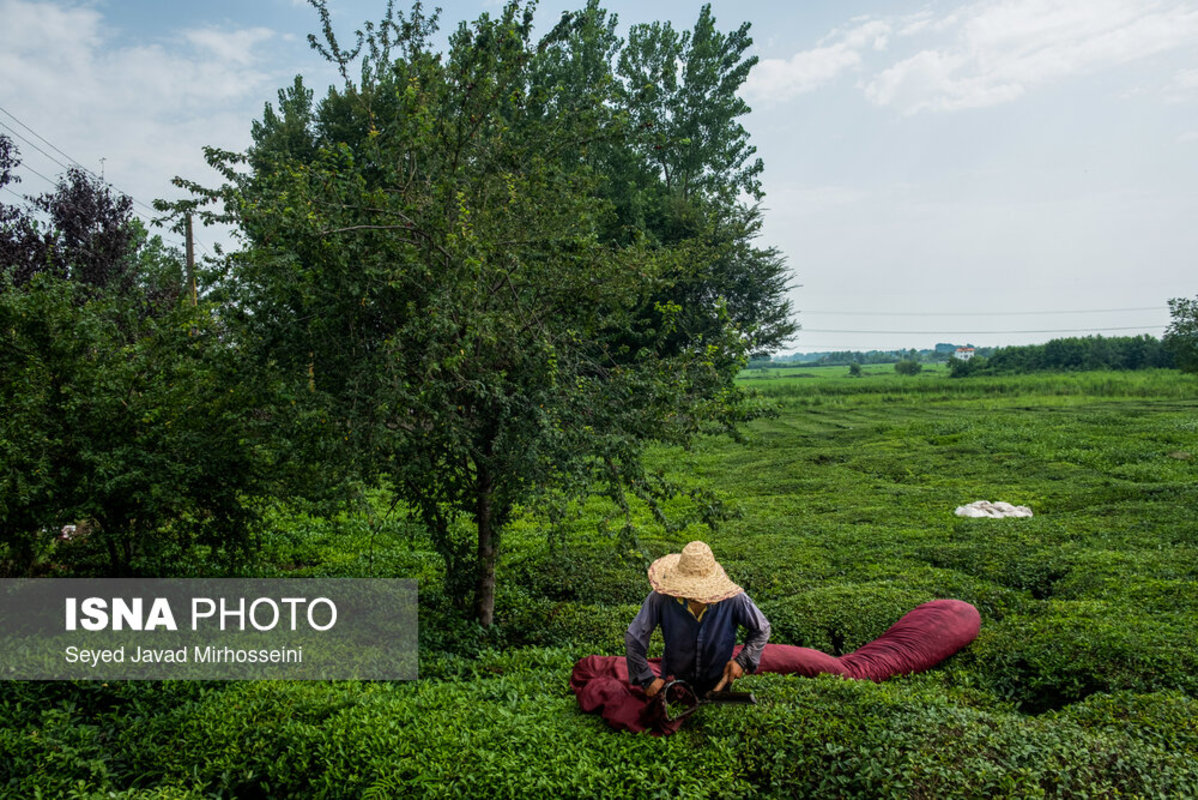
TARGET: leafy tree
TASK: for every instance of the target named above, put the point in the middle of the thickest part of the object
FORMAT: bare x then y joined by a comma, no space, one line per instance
908,367
431,262
135,425
692,165
1075,353
674,162
23,247
86,237
680,91
964,367
1181,337
123,408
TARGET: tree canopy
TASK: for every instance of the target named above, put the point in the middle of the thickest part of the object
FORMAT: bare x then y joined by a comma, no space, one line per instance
1067,354
1181,337
124,412
492,275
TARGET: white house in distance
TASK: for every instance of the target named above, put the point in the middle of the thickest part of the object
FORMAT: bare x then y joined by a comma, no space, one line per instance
964,353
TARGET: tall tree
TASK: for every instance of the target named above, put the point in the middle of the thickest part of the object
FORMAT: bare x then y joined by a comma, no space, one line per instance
1181,337
430,259
680,90
123,408
23,244
697,177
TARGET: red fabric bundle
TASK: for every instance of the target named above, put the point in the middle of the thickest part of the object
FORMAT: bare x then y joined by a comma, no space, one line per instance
601,685
924,637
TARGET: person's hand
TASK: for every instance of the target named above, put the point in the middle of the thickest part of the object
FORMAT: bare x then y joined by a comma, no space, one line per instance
732,671
652,689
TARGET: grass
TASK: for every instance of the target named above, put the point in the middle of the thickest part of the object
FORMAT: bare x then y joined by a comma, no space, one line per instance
1081,684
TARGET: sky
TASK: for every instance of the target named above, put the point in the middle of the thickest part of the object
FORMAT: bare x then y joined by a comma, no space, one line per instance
989,173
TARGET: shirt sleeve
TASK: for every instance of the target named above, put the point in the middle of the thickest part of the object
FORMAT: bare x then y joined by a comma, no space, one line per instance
758,627
636,641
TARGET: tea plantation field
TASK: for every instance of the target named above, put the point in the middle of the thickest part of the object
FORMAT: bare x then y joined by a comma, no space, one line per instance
1082,683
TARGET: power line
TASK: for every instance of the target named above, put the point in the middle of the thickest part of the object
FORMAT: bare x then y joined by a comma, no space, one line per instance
53,183
74,162
987,333
856,348
31,144
977,313
40,175
38,135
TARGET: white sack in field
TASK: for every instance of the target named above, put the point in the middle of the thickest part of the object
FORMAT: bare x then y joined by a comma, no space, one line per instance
984,508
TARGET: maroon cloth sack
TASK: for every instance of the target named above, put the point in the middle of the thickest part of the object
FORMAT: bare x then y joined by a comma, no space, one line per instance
923,638
601,685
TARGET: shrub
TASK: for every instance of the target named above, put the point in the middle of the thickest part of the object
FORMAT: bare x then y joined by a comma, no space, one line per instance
1181,337
840,618
1168,719
1074,649
1081,684
514,731
139,426
964,367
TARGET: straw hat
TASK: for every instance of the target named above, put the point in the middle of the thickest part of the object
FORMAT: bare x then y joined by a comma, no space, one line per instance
693,574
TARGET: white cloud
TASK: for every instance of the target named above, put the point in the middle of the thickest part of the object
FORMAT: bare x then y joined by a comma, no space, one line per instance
147,109
925,21
1183,88
917,82
34,26
777,79
230,46
1001,49
867,33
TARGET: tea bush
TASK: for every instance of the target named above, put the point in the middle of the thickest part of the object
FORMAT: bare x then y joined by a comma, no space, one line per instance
513,731
1073,649
1081,684
839,619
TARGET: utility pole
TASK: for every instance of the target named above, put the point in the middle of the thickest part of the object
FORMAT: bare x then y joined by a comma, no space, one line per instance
191,263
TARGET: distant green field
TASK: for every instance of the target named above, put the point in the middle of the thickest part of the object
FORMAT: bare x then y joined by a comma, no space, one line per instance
1082,682
778,374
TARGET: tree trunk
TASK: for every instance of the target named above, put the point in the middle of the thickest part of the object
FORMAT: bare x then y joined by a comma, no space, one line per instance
488,545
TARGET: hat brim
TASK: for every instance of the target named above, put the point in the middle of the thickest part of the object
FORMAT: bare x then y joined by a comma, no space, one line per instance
711,588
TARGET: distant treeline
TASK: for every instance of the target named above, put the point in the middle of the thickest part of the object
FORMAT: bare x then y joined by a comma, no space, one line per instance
1072,354
941,353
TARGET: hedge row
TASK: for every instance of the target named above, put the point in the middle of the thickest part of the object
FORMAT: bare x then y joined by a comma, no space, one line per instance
518,733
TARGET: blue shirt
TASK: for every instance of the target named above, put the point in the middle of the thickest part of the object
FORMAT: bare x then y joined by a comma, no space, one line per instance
696,650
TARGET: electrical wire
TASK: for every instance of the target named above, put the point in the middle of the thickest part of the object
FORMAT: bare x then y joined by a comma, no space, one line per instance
40,175
989,333
38,135
17,133
976,313
14,194
75,163
135,212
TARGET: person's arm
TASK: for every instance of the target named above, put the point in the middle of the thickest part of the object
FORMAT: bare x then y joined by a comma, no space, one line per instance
747,614
636,642
758,627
